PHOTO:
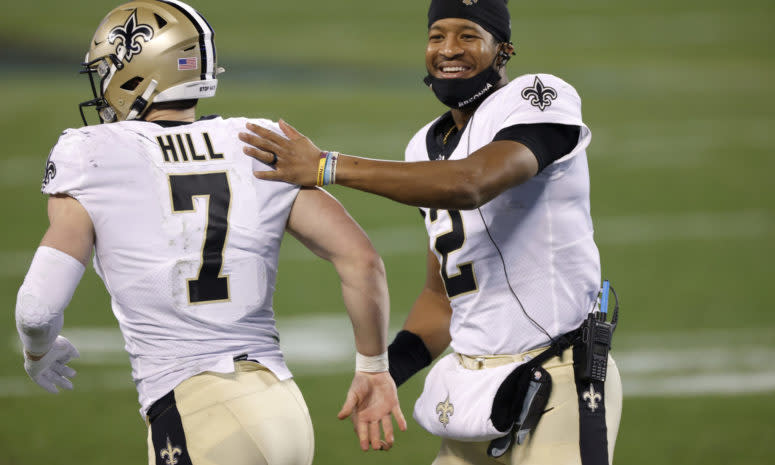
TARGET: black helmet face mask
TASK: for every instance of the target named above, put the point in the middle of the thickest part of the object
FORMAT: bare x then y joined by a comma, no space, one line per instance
104,68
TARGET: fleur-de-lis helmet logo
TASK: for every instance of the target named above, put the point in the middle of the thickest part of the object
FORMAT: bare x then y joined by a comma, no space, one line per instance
128,37
539,95
469,2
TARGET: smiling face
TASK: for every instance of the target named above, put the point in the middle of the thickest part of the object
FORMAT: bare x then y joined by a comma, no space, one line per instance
458,49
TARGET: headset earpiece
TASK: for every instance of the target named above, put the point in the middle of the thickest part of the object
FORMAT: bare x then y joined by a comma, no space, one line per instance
505,52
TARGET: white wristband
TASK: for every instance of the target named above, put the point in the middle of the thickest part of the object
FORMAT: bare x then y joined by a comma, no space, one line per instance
371,364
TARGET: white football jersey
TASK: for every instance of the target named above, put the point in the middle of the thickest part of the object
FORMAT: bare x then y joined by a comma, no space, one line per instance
187,242
528,253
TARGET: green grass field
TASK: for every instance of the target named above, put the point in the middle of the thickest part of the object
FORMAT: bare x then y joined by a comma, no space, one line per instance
679,99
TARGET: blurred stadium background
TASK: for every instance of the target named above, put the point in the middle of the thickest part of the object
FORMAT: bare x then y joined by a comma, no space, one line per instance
679,98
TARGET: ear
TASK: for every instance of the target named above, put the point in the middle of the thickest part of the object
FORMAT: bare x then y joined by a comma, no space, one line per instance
505,52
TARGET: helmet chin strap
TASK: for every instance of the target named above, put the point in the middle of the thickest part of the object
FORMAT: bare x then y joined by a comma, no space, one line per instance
141,102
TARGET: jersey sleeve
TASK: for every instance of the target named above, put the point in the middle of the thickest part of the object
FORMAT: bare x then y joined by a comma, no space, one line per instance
548,141
65,171
544,98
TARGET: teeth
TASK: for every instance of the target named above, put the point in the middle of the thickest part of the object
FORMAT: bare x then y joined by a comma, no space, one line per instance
452,69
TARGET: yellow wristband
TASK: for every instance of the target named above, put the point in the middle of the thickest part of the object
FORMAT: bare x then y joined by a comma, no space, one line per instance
321,168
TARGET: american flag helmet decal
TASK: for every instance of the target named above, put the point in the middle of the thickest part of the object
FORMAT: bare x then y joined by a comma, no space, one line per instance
185,64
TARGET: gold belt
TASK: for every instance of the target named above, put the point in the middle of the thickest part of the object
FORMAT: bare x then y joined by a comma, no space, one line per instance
480,362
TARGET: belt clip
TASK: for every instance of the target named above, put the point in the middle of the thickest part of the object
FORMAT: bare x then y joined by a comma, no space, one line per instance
479,363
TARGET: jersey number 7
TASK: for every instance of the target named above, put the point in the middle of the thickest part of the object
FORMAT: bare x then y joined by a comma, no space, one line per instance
209,285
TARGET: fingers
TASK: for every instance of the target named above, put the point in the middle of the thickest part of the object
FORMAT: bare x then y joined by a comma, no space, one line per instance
44,382
264,157
70,351
62,382
58,374
375,438
289,130
63,370
261,143
349,405
265,133
53,377
387,428
268,175
399,416
362,429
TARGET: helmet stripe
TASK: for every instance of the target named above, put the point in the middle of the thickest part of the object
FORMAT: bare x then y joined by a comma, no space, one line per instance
206,45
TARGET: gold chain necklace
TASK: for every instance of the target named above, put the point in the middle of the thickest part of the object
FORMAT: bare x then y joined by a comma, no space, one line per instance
446,136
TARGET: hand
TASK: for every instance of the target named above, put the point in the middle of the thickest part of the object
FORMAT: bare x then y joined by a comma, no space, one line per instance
371,400
51,370
295,159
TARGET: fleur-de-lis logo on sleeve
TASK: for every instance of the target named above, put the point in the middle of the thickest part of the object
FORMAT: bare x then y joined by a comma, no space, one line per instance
445,410
128,37
51,171
539,95
169,455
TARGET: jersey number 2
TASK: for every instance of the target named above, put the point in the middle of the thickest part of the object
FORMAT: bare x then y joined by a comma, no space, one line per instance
465,280
209,285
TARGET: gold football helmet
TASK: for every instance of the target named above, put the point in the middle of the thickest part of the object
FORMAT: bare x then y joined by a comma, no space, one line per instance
149,51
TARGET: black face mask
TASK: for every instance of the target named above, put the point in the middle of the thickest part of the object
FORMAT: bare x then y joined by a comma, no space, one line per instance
465,93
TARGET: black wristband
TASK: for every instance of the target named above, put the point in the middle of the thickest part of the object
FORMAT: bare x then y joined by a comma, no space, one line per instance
407,355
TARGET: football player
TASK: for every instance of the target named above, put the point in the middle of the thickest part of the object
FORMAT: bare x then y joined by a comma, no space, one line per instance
502,183
186,241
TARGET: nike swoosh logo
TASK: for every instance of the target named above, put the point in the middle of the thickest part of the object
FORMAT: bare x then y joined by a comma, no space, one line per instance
98,43
548,410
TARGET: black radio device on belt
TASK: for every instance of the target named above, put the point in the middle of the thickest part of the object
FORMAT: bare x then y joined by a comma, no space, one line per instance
596,334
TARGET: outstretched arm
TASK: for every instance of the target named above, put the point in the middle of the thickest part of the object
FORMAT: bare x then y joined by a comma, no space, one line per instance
320,222
54,273
454,184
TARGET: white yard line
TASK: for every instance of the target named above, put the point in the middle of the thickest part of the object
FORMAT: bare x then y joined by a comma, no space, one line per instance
683,226
656,364
716,383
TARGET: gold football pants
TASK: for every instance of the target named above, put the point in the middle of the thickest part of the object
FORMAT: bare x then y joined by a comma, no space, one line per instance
247,417
573,413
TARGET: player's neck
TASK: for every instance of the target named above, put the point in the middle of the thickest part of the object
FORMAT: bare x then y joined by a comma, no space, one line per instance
188,115
461,116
